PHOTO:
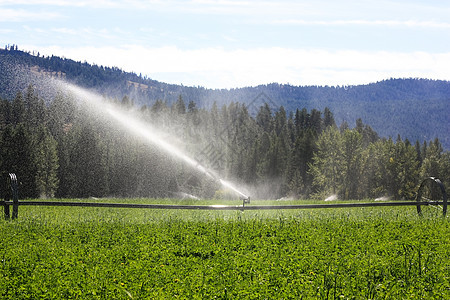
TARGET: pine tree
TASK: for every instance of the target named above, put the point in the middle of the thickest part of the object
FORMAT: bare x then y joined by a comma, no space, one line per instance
328,163
18,110
303,150
373,173
7,152
66,176
179,106
328,118
22,160
5,113
264,118
302,120
400,176
126,102
419,157
280,121
35,110
88,164
61,114
353,164
431,165
264,147
408,171
316,121
46,159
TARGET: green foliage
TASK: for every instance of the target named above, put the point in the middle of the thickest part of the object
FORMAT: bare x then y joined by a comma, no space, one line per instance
98,253
415,108
327,168
67,150
19,157
46,158
343,166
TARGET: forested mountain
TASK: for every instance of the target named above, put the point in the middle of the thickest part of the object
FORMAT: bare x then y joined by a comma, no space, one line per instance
58,146
417,109
66,149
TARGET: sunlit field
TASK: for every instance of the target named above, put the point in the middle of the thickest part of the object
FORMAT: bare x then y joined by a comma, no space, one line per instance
118,253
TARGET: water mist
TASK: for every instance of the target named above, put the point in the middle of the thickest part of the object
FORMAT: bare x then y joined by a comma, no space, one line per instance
143,130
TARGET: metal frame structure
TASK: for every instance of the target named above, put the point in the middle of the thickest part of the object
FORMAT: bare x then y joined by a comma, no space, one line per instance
418,203
11,191
439,186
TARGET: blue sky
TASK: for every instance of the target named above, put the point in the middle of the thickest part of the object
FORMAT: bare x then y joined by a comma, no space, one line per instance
228,43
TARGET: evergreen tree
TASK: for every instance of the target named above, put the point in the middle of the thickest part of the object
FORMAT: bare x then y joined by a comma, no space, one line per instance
192,107
302,155
264,118
408,171
89,170
126,102
296,155
328,163
7,156
35,110
373,172
432,165
179,106
158,107
401,175
66,176
18,110
418,153
302,120
353,165
316,121
5,113
252,163
46,159
22,160
61,114
280,121
328,118
445,169
264,147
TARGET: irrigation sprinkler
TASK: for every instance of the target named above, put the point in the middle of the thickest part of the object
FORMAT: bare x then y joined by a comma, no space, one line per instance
428,195
245,200
431,191
11,191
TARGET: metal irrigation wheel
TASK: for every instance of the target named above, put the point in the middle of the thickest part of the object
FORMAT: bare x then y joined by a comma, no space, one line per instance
433,197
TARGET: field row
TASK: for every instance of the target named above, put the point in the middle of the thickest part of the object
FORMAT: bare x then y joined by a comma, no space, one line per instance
99,253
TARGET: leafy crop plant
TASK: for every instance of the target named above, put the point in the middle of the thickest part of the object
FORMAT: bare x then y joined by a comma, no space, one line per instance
100,253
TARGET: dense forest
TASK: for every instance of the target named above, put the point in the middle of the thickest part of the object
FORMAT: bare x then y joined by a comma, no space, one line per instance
416,109
63,149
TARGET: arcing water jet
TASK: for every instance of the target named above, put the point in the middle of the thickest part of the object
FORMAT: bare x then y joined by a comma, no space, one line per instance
146,132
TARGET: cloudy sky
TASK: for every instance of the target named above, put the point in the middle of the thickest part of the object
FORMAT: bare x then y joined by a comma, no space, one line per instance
230,43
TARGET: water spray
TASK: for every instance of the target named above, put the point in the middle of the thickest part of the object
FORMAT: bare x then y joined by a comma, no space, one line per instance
150,134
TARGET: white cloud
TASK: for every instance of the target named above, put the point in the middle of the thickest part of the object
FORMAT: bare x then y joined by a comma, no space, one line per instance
289,12
19,15
67,3
389,23
219,68
6,31
87,33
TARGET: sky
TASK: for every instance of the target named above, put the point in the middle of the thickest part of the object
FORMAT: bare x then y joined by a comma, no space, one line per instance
231,44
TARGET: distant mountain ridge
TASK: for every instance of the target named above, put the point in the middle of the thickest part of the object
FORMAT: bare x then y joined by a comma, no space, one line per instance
417,109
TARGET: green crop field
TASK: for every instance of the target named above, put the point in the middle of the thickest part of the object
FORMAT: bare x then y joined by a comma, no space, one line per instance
117,253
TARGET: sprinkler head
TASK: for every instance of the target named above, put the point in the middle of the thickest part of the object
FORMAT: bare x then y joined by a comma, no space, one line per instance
245,199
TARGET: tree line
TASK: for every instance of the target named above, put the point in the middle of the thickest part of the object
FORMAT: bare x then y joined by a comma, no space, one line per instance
416,107
60,149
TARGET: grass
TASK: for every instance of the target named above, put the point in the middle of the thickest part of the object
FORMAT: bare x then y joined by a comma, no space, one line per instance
106,253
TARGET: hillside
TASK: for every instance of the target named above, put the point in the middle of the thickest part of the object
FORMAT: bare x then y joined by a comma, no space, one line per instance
416,109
